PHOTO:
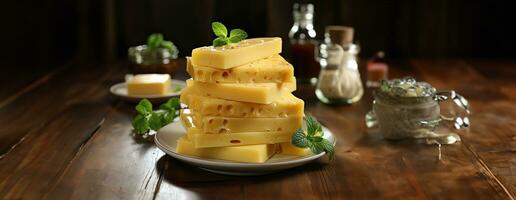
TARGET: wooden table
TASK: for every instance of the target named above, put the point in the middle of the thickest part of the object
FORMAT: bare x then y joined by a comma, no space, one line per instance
63,136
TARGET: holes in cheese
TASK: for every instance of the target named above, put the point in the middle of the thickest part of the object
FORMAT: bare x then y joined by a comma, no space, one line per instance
206,140
286,105
241,53
273,69
251,153
218,124
262,93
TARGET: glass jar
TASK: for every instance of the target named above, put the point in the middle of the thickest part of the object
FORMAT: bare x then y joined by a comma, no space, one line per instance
144,60
339,79
302,43
412,110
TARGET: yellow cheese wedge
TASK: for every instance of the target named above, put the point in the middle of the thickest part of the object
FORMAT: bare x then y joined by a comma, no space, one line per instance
148,84
217,124
204,140
274,69
244,52
284,106
252,153
289,149
262,93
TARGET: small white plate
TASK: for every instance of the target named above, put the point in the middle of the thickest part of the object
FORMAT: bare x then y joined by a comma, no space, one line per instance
166,139
120,90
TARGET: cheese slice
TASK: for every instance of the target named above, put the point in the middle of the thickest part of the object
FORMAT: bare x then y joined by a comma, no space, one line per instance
148,84
289,149
217,124
262,93
204,140
274,69
284,106
251,153
237,54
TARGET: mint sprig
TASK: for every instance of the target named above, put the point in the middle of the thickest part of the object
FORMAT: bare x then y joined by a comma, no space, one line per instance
147,119
156,40
313,139
235,35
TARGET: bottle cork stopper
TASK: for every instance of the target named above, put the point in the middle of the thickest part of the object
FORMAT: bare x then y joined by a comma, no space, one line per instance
342,35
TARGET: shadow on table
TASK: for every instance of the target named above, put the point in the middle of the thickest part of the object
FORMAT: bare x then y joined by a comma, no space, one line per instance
178,173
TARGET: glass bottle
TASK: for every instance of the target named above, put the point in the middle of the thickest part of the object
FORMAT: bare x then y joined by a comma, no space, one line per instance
144,60
303,43
339,79
377,70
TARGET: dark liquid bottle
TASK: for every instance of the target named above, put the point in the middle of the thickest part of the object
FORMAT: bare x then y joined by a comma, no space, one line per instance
303,44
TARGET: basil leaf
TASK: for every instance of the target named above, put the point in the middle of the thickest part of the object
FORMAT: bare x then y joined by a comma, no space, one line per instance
154,40
219,29
144,107
171,104
237,35
155,121
169,45
140,124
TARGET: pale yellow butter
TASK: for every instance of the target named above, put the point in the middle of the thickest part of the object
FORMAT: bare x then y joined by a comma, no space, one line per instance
273,69
284,106
148,84
204,140
234,55
262,93
251,153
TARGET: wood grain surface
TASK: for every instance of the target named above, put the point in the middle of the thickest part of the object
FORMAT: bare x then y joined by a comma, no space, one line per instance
63,136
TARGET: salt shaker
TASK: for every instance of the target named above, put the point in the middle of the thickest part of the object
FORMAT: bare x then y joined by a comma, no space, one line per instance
339,79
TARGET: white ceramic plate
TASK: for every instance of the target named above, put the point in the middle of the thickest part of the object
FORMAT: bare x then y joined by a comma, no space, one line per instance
120,90
167,136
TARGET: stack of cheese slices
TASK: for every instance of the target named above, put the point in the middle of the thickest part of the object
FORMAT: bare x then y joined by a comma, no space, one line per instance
240,103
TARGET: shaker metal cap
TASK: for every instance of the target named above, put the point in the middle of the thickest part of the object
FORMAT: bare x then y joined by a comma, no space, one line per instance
340,34
304,8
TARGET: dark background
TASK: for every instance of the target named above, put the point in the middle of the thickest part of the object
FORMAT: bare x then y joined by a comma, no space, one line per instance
48,33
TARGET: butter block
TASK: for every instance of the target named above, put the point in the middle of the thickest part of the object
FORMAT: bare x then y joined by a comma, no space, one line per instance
284,106
262,93
274,69
289,149
251,153
223,125
204,140
237,54
148,84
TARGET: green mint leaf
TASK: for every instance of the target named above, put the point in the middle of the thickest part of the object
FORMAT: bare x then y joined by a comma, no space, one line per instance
169,45
312,126
316,148
220,42
171,104
154,40
328,148
219,29
237,35
144,107
140,124
168,117
299,139
315,139
155,121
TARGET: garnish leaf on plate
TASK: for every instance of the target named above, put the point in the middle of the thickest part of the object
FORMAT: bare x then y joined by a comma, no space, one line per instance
313,138
147,119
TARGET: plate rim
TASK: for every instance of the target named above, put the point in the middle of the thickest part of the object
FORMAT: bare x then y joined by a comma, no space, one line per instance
222,163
